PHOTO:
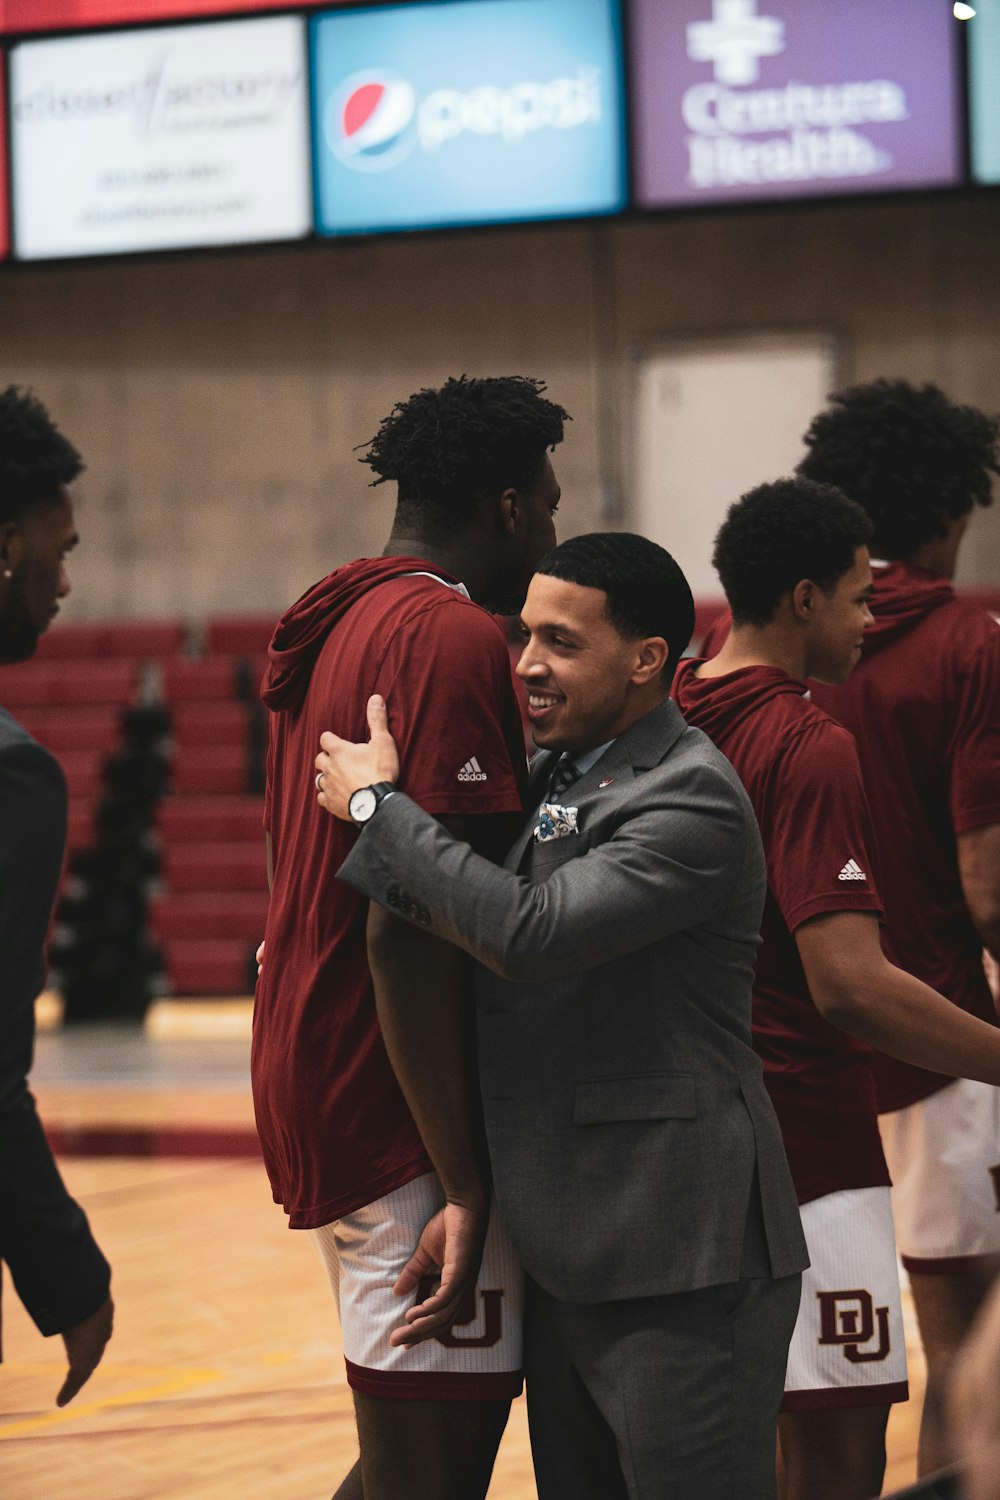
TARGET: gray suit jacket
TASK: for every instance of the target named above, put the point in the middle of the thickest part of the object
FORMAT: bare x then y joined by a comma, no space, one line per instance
625,1107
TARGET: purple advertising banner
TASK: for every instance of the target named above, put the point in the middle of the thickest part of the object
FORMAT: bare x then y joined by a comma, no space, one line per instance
743,100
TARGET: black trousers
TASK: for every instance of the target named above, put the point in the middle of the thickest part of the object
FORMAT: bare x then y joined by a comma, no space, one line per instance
660,1398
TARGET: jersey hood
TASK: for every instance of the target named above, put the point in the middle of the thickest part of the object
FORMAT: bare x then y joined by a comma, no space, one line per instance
300,633
714,704
901,596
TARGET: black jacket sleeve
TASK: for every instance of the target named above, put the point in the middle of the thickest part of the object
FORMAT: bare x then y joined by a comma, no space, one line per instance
57,1268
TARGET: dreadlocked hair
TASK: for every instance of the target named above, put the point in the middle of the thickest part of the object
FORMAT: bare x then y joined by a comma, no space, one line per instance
35,458
910,457
449,449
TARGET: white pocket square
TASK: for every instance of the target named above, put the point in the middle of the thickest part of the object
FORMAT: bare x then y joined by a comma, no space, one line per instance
554,822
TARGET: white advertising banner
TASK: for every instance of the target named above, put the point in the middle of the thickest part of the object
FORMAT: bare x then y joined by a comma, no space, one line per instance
161,139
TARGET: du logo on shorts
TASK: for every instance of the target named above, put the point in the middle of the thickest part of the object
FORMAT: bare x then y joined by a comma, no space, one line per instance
478,111
852,1321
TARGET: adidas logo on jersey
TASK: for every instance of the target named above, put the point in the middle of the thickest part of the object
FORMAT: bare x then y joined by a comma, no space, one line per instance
852,871
472,771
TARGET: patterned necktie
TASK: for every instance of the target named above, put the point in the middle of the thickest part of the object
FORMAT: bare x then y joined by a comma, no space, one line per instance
562,779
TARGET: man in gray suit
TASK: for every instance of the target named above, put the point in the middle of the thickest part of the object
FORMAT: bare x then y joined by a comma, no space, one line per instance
637,1160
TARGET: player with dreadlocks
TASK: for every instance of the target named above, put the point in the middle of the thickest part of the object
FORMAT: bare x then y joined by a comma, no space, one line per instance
924,707
361,1062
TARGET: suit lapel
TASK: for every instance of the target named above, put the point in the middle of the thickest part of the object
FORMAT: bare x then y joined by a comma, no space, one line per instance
615,765
541,770
644,744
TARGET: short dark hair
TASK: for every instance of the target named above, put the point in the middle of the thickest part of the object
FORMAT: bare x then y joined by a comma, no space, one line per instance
778,534
35,458
449,449
647,594
912,458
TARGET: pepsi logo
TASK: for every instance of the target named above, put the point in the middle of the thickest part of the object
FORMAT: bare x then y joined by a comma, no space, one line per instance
370,121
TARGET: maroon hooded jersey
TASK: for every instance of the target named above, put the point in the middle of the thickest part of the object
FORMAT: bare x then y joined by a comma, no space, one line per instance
924,707
335,1130
802,776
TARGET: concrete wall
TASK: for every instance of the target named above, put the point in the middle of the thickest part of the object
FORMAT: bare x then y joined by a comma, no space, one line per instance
217,398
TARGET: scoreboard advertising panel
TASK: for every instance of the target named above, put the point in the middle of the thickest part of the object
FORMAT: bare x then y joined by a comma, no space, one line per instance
160,139
984,95
743,100
468,112
4,226
26,16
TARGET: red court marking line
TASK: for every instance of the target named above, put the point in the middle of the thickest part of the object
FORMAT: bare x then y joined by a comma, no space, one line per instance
153,1140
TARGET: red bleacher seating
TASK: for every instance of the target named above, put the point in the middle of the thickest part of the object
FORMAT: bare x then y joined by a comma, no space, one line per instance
216,966
137,639
231,819
61,683
214,678
95,727
210,768
84,772
81,824
209,723
210,917
202,915
243,635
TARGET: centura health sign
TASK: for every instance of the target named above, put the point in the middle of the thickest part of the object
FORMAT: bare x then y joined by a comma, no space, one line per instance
162,138
469,112
754,99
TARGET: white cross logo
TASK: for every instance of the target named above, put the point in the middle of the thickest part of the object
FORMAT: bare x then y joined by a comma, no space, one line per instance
735,39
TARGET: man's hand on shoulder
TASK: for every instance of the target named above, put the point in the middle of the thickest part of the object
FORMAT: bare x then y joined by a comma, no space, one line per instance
85,1346
452,1241
343,767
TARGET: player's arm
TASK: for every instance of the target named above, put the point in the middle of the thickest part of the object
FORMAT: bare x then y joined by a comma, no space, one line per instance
857,989
419,980
669,867
979,869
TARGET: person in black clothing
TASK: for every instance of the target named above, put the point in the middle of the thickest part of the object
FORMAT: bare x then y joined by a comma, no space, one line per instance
57,1267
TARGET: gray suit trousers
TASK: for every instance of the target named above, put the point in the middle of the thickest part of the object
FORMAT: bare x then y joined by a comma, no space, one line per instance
659,1398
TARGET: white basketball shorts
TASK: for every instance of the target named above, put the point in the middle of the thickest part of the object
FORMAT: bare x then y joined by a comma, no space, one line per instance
477,1359
944,1161
848,1347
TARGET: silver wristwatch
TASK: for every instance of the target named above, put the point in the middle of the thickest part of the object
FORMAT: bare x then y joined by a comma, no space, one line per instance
364,803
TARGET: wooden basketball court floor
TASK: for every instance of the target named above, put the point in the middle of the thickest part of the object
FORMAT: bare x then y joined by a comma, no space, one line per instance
224,1379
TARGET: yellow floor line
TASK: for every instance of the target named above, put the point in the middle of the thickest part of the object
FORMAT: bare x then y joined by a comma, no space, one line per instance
176,1385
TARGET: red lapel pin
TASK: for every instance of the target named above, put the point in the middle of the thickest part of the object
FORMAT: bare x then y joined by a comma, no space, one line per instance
607,782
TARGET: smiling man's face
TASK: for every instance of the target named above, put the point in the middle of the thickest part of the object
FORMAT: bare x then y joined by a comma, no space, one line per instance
577,667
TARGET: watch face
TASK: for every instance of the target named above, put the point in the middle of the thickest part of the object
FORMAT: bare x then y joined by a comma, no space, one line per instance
362,804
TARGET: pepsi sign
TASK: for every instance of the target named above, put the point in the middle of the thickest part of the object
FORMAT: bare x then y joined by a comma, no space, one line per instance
467,112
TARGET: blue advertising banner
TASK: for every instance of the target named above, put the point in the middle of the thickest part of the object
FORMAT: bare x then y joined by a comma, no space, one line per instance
984,95
745,100
469,112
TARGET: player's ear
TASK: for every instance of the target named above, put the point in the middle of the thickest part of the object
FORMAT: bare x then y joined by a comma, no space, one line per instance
803,596
653,654
11,547
510,511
